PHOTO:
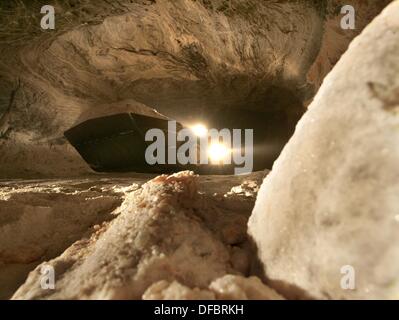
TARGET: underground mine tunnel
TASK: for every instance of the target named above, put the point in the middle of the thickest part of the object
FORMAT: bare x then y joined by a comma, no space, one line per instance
196,149
117,143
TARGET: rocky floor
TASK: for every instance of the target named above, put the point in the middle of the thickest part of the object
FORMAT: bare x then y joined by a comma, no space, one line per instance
155,230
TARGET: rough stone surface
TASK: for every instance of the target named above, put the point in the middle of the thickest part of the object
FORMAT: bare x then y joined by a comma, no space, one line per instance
331,199
228,287
232,287
165,290
40,219
172,228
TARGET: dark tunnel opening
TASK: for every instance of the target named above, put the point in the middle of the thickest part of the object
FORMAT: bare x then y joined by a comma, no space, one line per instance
238,102
113,145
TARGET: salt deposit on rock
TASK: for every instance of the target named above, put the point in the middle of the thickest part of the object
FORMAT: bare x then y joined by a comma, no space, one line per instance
330,203
39,220
165,230
165,290
232,287
228,287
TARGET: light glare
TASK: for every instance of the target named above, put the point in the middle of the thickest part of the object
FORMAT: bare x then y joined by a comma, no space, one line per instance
199,130
218,152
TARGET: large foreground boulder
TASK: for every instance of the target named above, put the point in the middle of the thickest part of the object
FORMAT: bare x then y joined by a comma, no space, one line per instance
327,217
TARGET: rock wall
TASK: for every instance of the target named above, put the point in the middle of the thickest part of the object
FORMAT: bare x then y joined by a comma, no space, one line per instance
328,212
201,58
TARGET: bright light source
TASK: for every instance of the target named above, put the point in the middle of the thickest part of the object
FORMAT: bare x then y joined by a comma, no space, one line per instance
218,152
199,130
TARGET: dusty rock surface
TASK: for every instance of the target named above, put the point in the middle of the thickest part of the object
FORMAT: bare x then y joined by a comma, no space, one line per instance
39,219
331,199
229,287
180,228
